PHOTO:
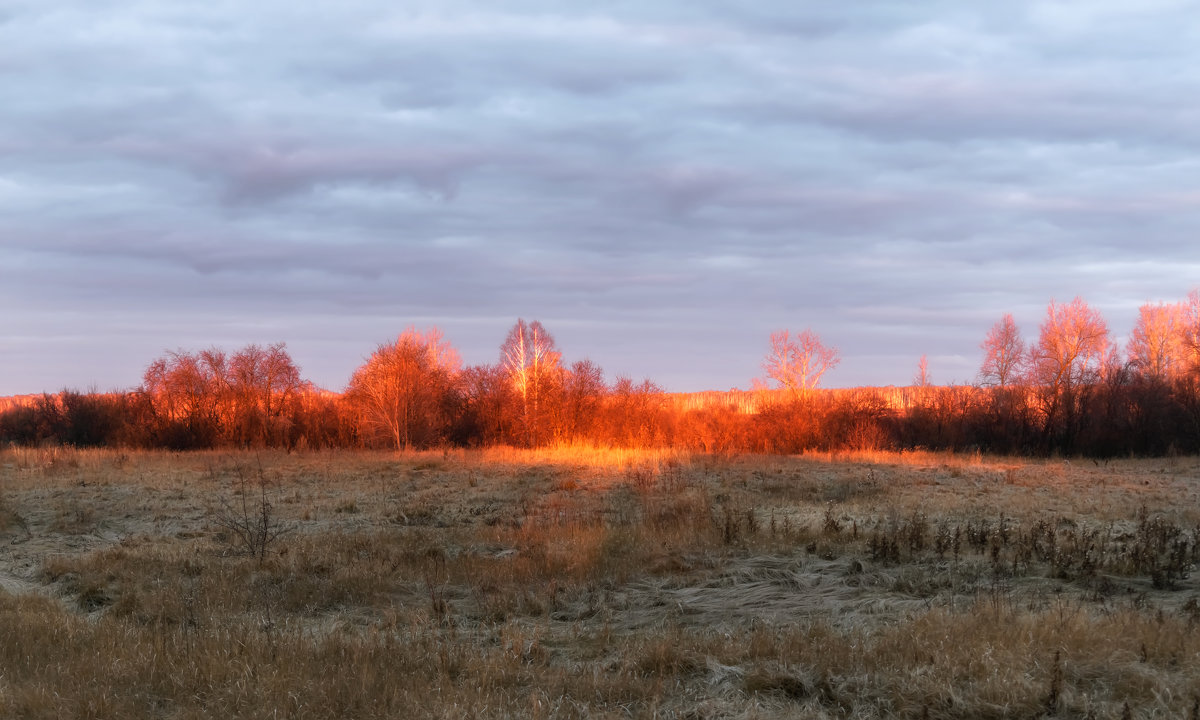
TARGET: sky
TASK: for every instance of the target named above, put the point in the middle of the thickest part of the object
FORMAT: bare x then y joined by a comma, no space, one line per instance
661,184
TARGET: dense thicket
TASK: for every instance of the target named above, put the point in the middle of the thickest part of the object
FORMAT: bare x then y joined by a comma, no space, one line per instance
1070,391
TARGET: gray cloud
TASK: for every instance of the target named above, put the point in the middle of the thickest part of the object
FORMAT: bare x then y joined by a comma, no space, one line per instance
662,184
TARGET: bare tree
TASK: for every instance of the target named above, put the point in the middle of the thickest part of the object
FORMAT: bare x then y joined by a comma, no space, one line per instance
251,520
205,397
532,362
401,389
633,413
922,377
1072,345
487,399
185,391
214,365
798,363
1073,352
263,381
1156,346
1003,353
1189,330
583,393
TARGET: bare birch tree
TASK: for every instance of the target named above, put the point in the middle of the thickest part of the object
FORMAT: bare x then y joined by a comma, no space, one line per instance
921,379
532,362
1190,333
1003,354
1157,349
798,363
401,390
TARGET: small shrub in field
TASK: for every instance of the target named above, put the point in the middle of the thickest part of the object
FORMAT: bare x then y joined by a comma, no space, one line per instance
251,518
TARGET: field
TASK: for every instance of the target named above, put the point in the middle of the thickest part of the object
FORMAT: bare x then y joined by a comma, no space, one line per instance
591,583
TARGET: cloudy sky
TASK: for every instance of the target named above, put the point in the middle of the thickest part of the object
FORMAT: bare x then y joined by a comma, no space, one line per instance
661,183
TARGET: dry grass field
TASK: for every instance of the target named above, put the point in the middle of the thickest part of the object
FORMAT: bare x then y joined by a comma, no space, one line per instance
581,583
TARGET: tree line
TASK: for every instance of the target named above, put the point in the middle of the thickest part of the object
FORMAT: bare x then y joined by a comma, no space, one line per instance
1070,391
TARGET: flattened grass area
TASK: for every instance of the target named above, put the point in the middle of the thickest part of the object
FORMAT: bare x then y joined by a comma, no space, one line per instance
592,583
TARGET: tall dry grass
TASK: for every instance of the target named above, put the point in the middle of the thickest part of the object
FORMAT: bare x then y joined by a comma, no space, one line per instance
587,583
